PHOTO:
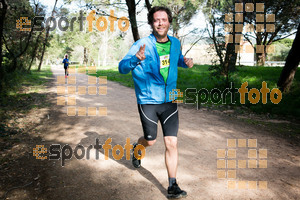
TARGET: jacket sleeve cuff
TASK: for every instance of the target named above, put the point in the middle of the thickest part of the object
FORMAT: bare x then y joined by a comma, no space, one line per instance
134,61
182,63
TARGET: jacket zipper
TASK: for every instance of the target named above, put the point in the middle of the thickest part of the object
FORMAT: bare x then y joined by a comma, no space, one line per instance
168,74
162,76
166,83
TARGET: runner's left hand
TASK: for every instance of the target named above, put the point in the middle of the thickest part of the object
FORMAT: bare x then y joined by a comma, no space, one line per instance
189,62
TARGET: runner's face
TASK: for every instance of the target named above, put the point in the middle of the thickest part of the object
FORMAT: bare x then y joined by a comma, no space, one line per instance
161,24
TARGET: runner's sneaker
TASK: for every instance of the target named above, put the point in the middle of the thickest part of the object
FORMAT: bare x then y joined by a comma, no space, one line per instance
174,192
135,162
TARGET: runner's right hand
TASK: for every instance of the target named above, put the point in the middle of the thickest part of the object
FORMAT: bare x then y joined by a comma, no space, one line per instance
141,53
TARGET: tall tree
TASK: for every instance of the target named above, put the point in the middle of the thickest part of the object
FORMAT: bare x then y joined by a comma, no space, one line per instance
182,11
130,6
34,50
132,18
35,45
215,11
286,21
46,38
16,41
291,65
148,4
231,55
3,14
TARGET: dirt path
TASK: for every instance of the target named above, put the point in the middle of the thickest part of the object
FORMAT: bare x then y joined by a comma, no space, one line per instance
201,133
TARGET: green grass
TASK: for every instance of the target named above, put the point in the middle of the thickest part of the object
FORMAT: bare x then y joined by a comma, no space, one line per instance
37,79
289,105
199,77
34,79
25,95
114,75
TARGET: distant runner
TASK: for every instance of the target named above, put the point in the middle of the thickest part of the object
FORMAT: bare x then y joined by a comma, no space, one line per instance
66,65
153,62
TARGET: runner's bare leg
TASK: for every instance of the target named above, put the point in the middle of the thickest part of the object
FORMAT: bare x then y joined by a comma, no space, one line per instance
171,155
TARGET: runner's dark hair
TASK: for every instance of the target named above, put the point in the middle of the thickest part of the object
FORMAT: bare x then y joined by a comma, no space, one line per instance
159,8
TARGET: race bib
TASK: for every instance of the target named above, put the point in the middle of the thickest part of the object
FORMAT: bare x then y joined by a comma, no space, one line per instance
164,61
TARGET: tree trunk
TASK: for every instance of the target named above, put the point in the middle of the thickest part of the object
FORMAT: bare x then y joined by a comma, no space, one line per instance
231,55
148,4
291,65
14,63
214,39
105,43
3,13
261,59
14,55
46,39
176,30
132,18
34,50
229,60
85,58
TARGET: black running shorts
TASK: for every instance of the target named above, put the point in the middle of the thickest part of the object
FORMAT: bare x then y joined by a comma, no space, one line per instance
166,113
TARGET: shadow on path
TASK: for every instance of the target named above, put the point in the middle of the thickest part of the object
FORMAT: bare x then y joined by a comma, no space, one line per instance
91,139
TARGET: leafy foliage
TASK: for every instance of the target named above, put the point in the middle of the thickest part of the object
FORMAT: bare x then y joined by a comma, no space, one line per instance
182,10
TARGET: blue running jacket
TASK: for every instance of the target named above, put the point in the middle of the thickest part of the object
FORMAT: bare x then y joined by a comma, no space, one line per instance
150,87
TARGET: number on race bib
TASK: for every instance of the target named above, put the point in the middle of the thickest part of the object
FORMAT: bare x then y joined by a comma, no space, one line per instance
164,61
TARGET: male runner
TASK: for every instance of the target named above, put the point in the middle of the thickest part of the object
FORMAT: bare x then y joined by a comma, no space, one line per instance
66,65
153,62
